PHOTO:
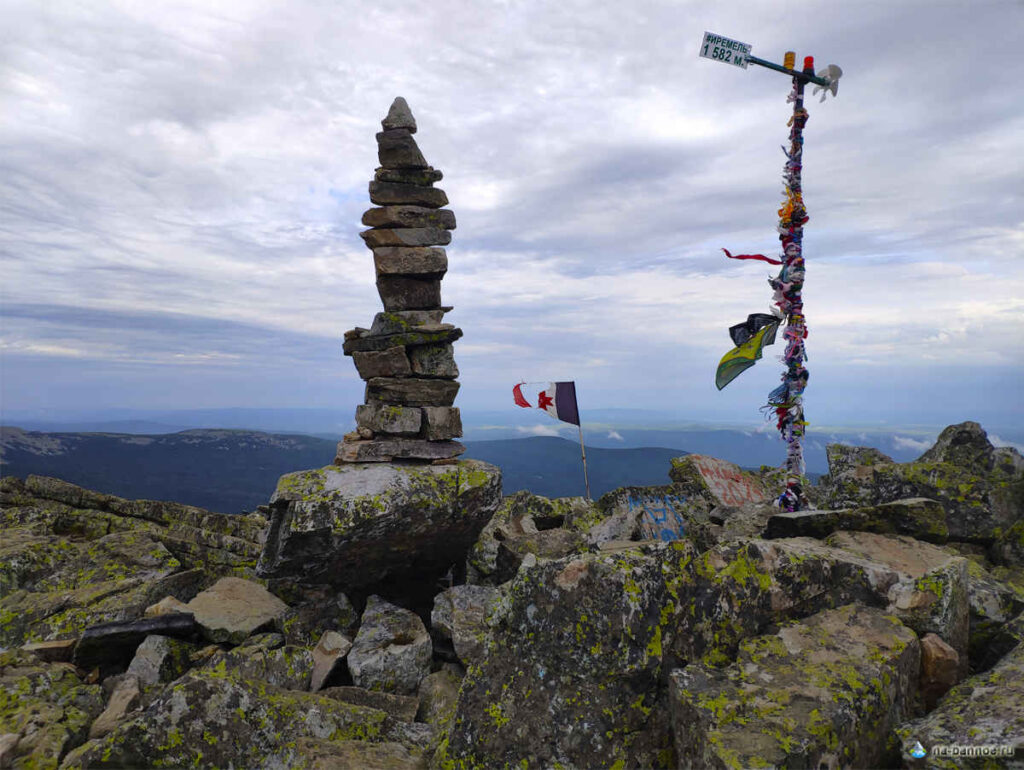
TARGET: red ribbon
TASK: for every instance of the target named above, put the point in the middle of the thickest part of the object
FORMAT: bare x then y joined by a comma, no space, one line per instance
761,257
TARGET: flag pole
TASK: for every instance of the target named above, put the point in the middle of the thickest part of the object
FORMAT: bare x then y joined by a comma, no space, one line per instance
583,451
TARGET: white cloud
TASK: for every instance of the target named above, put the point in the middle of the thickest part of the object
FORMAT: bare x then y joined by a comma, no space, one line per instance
905,442
999,442
540,430
614,434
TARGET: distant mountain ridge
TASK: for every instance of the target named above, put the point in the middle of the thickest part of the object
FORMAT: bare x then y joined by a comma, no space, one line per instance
232,471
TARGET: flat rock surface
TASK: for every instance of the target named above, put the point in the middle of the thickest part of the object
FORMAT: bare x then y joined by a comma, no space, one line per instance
917,517
233,608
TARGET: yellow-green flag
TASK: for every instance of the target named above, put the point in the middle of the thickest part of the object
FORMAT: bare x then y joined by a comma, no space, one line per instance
742,357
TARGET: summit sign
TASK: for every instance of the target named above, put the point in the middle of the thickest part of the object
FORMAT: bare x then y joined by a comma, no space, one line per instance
724,50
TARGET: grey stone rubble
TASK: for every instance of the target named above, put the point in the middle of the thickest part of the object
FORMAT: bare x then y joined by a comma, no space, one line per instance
406,356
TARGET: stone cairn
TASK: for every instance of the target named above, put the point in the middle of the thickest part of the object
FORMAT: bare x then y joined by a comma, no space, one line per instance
406,356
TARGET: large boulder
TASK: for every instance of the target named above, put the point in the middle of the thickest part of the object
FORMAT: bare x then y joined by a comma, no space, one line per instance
981,487
825,691
392,650
985,710
570,673
356,525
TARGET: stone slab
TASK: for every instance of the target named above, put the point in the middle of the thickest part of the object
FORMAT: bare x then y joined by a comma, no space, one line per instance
399,116
409,216
401,322
422,177
426,334
918,517
390,418
391,362
232,609
441,422
406,236
409,260
395,193
387,449
396,148
411,391
434,361
399,292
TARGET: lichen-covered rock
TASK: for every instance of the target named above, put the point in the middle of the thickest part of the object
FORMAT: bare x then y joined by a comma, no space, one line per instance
993,603
197,538
1008,548
931,593
349,755
45,707
981,488
71,558
209,718
460,614
587,640
985,710
355,525
392,650
918,517
401,707
314,611
287,667
233,608
439,693
825,691
542,546
571,672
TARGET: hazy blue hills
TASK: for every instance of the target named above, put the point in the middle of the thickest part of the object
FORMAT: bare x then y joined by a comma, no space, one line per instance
552,466
235,470
228,471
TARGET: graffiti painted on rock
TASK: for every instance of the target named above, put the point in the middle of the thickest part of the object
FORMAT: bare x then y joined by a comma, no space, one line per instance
727,482
661,519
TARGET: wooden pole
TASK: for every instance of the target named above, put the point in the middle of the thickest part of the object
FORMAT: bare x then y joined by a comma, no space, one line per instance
583,451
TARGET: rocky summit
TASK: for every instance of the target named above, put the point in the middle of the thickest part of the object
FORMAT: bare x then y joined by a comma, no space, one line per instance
407,615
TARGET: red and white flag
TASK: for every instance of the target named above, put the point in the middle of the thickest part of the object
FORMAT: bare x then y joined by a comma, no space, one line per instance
558,399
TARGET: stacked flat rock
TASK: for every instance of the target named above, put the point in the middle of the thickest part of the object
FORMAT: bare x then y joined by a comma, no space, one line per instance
406,355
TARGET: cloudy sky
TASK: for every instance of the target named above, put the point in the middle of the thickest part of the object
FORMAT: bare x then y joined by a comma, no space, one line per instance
181,189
